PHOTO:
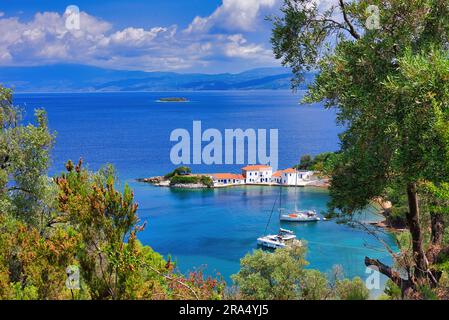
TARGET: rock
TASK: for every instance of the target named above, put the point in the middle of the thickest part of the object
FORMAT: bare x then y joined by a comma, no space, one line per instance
189,186
152,180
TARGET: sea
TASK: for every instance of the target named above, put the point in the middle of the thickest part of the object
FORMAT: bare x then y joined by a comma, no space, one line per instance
208,230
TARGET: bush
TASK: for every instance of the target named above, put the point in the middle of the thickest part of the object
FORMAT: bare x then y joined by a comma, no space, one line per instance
191,180
180,171
354,289
272,276
184,180
281,275
207,181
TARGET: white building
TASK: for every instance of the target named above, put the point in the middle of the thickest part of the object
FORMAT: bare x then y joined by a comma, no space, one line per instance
291,177
227,179
263,174
305,175
257,174
276,177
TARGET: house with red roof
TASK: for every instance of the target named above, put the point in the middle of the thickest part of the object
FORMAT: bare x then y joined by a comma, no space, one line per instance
276,177
263,174
257,174
227,179
292,177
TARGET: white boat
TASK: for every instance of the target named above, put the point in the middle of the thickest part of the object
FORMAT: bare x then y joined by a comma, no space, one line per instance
280,240
300,216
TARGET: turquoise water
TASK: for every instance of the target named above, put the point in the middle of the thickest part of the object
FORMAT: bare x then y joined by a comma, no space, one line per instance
209,229
213,229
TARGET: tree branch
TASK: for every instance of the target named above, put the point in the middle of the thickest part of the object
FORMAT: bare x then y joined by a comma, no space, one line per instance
173,279
348,22
20,189
389,272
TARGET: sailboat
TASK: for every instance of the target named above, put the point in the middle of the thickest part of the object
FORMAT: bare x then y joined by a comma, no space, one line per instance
282,239
298,215
275,241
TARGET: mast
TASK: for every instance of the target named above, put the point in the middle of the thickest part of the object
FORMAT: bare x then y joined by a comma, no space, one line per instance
296,190
280,201
269,219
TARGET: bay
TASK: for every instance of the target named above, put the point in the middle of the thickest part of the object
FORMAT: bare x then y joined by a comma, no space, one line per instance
207,229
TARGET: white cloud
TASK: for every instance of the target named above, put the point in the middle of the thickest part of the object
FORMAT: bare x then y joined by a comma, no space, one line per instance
45,39
2,14
234,15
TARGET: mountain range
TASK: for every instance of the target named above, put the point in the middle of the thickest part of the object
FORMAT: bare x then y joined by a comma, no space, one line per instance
81,78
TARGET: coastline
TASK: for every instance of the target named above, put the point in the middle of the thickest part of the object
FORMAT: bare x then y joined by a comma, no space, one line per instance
324,184
160,181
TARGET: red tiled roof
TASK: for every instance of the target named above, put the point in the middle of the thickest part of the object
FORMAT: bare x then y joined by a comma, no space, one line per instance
256,167
228,176
289,170
277,174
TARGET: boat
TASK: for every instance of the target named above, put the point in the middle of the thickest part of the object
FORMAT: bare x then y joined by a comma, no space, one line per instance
275,241
298,215
281,240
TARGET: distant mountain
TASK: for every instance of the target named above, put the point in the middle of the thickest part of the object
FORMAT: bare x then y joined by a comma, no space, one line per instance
80,78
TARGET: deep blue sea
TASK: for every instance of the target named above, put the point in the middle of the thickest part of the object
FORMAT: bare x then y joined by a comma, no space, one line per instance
209,229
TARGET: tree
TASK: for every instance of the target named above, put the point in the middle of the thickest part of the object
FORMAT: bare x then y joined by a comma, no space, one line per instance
77,219
180,171
113,263
272,276
390,87
281,275
25,189
305,162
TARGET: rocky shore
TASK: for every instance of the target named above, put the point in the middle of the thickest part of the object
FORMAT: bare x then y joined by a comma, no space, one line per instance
161,181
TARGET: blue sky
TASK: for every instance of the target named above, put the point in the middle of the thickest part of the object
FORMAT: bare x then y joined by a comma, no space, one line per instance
209,36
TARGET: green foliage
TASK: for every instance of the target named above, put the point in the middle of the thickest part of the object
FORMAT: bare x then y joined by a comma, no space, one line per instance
389,85
392,291
207,181
33,267
77,219
323,163
354,289
391,91
315,286
184,180
110,267
180,171
282,275
24,156
272,276
305,163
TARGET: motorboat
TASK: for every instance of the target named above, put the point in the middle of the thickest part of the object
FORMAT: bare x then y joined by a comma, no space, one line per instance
281,240
300,216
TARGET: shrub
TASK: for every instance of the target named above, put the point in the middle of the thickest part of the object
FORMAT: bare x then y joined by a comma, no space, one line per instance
180,171
354,289
184,180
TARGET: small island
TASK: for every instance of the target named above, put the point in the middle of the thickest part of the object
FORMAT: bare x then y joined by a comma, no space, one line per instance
181,177
262,175
173,99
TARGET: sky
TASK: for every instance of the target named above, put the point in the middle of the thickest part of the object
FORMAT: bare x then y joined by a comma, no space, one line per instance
207,36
